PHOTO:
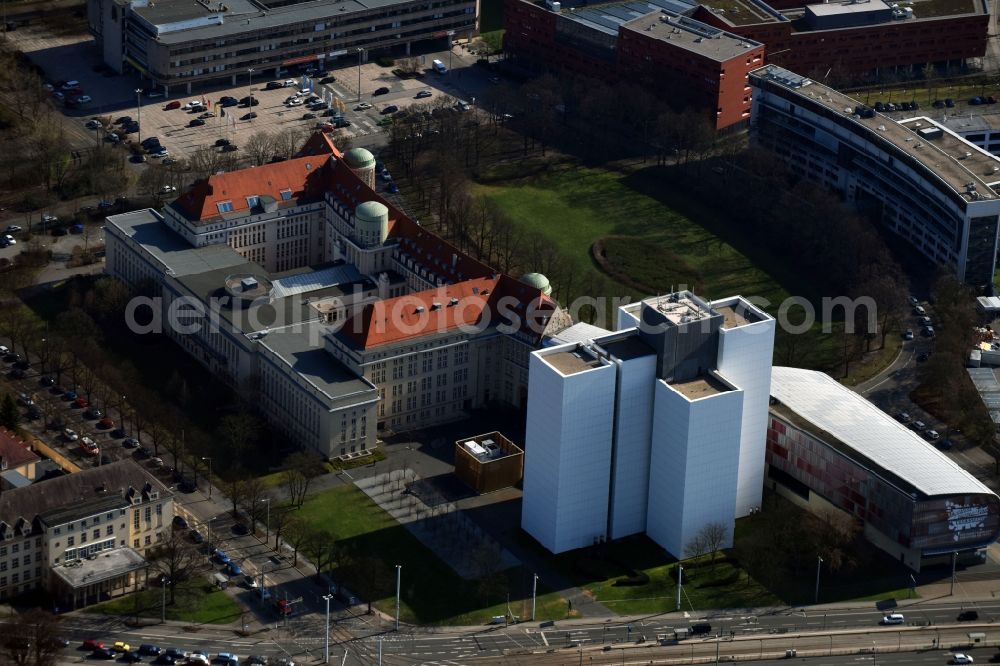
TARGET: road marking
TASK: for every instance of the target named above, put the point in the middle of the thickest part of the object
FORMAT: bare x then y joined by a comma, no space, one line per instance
544,638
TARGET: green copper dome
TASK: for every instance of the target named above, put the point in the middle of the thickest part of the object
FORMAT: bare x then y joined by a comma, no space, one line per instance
538,281
359,158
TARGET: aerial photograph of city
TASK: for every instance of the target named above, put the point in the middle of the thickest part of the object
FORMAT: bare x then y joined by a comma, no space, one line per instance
489,332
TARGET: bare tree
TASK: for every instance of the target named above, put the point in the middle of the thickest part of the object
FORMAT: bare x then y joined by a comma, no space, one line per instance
296,532
177,560
31,639
254,494
302,469
320,547
259,147
235,490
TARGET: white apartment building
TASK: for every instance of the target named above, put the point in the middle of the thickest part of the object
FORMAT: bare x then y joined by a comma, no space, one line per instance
82,537
333,311
642,430
919,178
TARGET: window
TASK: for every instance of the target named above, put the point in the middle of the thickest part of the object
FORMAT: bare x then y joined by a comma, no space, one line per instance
109,530
15,563
70,541
224,206
286,195
135,519
15,548
252,201
15,578
149,540
27,560
148,513
135,544
97,534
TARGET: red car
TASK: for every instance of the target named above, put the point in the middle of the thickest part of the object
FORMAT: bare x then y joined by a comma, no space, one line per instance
106,423
81,403
92,644
172,105
89,446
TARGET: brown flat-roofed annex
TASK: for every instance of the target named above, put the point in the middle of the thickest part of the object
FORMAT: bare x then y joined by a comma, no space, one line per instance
700,387
572,362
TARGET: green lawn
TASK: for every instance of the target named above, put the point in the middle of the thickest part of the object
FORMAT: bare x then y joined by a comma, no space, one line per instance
655,238
596,570
198,602
431,592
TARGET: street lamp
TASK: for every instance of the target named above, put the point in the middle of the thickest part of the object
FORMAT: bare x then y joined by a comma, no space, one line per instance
874,653
209,459
534,595
399,568
360,51
163,600
138,115
819,563
326,649
267,537
250,72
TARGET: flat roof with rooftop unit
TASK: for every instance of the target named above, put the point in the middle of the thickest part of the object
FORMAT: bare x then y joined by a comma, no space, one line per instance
572,361
964,168
693,36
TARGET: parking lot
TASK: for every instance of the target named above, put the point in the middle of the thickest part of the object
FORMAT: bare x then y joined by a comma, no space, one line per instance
75,58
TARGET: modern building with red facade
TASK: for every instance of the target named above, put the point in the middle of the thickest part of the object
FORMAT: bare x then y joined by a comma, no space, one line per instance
698,52
686,61
852,39
830,449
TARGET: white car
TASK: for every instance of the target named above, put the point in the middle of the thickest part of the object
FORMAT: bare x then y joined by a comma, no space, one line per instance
9,240
295,102
364,106
69,85
70,435
198,658
893,618
959,658
4,349
83,99
191,104
157,461
167,189
291,83
94,123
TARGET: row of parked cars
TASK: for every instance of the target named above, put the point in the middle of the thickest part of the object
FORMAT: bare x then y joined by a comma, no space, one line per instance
124,652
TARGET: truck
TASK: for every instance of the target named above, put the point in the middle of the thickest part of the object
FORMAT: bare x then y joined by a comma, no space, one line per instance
439,67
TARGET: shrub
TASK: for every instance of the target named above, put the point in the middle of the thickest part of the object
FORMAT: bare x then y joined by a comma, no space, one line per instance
634,578
386,61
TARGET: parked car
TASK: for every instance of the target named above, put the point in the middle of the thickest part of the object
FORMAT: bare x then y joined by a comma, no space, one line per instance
328,79
249,116
222,142
92,644
950,103
919,426
93,413
309,116
380,91
423,94
908,334
249,101
233,569
230,147
220,557
196,122
132,657
149,649
166,659
81,403
70,85
944,444
70,435
198,658
89,446
923,356
364,106
903,417
130,443
932,435
104,653
274,85
106,423
121,646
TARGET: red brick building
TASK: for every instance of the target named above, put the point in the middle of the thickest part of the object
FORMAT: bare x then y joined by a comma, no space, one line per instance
700,51
697,64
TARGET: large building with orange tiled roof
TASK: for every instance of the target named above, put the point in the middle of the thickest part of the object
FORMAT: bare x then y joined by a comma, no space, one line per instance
337,313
